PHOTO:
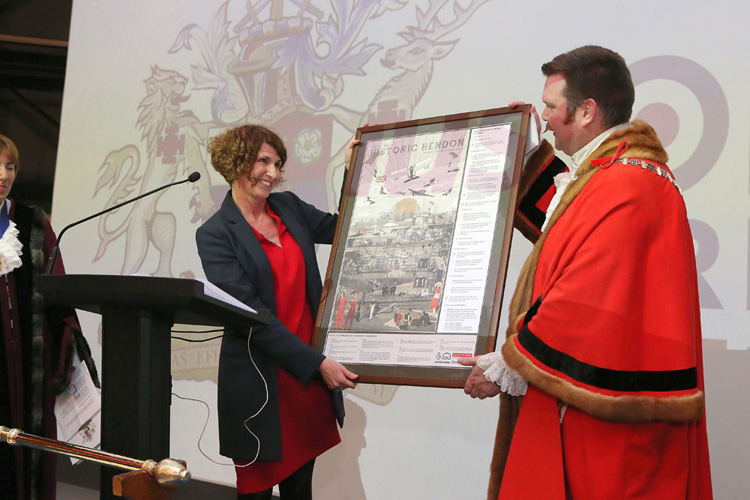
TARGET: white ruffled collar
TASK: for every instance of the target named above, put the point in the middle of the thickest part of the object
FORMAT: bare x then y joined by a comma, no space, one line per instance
563,178
10,247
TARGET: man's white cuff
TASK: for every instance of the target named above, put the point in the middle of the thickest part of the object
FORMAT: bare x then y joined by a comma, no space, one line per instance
495,370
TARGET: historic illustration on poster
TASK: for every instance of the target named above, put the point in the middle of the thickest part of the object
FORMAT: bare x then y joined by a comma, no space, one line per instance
418,248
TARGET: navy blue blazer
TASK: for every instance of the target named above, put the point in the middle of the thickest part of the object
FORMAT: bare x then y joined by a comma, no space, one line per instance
234,260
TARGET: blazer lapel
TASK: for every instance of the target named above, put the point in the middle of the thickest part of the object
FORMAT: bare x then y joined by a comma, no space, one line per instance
292,225
256,256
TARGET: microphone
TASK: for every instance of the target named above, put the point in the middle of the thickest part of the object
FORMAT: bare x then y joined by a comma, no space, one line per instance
191,178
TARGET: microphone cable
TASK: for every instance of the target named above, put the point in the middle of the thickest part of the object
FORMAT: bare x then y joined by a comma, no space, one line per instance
208,408
175,337
265,385
203,431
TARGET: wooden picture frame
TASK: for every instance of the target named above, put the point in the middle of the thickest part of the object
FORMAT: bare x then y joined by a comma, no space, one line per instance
417,270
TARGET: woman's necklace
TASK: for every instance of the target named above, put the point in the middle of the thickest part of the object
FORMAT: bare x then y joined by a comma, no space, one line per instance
258,223
264,220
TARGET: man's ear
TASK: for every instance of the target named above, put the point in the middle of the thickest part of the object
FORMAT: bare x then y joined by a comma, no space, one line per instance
589,112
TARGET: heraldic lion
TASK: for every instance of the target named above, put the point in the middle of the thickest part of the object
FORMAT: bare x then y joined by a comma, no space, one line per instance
174,141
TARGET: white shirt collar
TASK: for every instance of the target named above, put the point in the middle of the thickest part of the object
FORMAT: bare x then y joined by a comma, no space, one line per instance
563,179
577,158
10,247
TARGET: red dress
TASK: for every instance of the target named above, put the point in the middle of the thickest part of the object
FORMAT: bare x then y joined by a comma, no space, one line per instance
308,423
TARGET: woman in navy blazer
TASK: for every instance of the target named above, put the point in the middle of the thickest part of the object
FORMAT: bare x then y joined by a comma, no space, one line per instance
239,248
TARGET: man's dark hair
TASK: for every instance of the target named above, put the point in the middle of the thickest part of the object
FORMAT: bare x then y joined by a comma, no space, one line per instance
597,73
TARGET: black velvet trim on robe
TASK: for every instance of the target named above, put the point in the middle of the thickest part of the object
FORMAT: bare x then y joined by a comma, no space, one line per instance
605,378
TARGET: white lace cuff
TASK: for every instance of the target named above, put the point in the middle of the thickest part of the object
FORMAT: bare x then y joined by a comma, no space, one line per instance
495,370
10,250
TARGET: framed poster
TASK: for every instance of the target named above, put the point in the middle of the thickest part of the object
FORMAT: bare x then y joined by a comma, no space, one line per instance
417,270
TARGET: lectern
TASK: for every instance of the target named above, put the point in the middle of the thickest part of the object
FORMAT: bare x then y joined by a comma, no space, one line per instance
137,316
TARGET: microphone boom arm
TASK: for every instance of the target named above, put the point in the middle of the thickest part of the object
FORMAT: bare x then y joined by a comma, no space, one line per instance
56,253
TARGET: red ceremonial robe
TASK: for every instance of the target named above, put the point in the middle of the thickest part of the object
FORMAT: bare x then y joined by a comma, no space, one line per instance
611,346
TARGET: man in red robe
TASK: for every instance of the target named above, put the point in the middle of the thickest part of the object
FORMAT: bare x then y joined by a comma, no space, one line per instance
604,337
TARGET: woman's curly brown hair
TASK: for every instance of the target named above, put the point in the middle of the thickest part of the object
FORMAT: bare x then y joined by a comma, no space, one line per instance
234,151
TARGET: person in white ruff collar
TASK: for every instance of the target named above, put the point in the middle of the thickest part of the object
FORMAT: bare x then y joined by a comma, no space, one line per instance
37,340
